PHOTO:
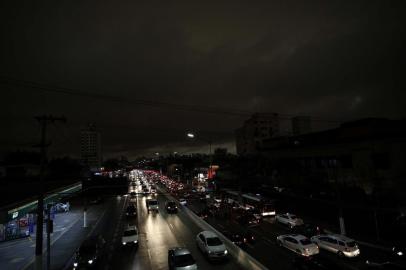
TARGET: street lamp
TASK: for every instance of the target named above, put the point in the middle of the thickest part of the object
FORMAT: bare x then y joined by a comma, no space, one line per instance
192,136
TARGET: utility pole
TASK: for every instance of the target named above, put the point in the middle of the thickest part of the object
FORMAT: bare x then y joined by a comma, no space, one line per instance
43,121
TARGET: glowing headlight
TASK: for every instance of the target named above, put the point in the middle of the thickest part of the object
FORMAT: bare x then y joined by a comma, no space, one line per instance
124,243
75,264
225,251
135,242
90,261
400,253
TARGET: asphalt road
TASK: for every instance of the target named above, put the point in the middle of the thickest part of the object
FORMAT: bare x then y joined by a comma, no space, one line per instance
271,255
157,233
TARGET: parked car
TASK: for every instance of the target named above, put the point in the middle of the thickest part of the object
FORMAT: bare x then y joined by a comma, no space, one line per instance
89,253
211,245
290,220
180,258
339,244
298,243
171,207
130,236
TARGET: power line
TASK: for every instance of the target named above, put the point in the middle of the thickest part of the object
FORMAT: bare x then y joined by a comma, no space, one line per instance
150,103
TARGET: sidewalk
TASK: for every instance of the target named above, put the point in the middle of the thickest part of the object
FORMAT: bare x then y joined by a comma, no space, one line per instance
68,234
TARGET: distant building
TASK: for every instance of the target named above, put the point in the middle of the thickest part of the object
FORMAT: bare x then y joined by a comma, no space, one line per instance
301,125
260,127
90,147
368,153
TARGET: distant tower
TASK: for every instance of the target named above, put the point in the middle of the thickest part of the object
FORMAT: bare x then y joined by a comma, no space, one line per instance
90,147
301,125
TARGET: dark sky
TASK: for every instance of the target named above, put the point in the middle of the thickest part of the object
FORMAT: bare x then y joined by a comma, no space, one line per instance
327,59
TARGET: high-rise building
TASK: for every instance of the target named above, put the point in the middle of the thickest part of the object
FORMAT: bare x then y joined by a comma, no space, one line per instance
259,127
301,125
90,147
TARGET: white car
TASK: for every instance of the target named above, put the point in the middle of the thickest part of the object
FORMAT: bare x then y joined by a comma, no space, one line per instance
130,236
211,245
298,243
182,201
181,259
339,244
289,220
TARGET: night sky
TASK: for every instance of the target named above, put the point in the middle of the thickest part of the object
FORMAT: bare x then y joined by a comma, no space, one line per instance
147,72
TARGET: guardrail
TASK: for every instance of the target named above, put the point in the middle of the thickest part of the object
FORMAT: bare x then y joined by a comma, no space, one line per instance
242,257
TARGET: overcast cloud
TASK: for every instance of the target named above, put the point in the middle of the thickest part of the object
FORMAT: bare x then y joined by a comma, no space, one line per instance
327,59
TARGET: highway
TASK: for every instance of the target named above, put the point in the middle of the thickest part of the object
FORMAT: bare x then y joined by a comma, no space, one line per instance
157,233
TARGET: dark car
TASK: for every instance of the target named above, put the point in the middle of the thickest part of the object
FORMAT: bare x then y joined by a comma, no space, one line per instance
308,230
89,253
248,237
131,211
248,220
205,213
171,207
398,252
314,263
236,237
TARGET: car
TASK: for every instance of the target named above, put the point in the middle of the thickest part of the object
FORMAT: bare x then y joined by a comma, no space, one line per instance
339,244
130,236
211,245
152,205
307,229
314,263
236,237
182,201
153,191
288,219
180,258
248,219
205,213
249,237
62,207
398,251
145,191
89,253
299,244
171,207
131,211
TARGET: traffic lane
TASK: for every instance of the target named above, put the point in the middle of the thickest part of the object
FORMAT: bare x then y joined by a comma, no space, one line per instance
266,249
270,229
185,231
107,227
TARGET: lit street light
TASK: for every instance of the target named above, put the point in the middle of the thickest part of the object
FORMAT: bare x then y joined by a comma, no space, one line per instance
191,135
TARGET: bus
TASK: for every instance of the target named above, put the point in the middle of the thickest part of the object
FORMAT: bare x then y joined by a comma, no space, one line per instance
251,202
257,203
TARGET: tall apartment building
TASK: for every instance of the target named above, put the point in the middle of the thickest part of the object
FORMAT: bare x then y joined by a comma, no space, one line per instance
90,147
301,125
259,127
